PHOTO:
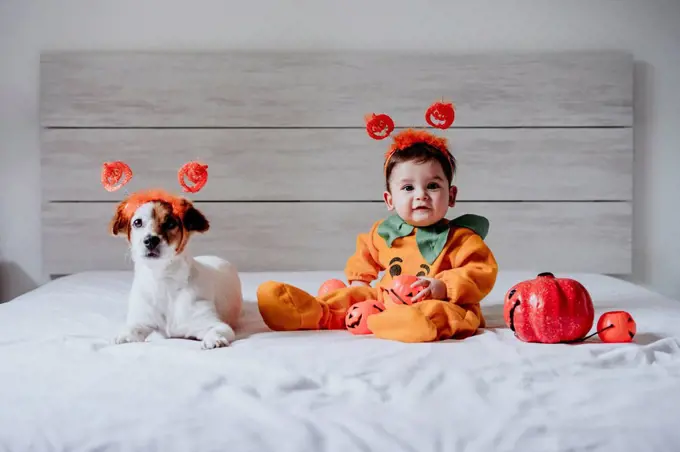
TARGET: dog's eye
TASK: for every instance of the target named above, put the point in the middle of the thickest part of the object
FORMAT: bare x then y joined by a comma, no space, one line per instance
170,224
137,223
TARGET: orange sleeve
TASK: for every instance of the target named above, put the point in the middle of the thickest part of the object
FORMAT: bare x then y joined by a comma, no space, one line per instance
364,265
473,271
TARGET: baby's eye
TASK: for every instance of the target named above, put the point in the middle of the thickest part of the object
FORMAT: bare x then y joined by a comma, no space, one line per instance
432,186
407,187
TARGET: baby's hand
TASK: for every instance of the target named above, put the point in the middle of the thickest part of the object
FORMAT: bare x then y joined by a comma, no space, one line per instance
434,289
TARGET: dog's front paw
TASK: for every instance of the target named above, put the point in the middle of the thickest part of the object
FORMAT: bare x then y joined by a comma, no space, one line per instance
217,337
133,335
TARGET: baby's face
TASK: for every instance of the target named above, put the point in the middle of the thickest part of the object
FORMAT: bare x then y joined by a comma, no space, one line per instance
420,193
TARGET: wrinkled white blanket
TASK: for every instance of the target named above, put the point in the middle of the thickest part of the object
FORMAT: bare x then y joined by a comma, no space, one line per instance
64,386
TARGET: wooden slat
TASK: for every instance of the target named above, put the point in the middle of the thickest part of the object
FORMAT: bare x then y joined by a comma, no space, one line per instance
330,89
313,164
586,237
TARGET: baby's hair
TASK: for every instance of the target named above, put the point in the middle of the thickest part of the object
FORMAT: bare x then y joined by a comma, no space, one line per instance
421,153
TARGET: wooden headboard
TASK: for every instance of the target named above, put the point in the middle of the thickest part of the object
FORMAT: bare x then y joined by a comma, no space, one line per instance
543,142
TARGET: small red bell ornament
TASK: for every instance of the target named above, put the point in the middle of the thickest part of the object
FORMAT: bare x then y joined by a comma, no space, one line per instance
616,326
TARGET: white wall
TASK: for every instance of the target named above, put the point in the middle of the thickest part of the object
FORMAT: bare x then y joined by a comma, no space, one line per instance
648,28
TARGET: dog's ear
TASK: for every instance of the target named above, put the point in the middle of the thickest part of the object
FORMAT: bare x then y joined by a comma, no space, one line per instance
118,223
194,220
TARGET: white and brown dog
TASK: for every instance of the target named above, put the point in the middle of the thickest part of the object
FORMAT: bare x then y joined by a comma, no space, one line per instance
173,293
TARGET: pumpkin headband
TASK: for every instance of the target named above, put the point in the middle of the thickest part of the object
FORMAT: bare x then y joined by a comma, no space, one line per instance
115,175
440,115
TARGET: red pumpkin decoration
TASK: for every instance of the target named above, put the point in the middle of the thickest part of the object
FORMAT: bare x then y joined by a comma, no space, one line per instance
440,115
115,175
401,292
330,285
549,310
357,315
379,126
196,173
616,326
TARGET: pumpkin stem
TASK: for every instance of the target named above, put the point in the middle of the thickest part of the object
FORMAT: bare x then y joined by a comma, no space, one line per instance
547,274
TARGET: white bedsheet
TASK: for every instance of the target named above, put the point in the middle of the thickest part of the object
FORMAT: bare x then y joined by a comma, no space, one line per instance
64,386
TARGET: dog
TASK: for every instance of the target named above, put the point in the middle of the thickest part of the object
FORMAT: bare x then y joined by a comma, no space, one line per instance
174,293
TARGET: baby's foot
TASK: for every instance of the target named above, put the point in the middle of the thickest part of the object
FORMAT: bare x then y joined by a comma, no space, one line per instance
286,308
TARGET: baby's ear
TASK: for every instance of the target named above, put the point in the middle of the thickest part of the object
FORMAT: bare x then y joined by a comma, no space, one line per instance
194,220
453,192
387,197
118,223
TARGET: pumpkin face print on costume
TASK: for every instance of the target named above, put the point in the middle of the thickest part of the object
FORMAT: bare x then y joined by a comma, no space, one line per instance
410,269
397,266
406,261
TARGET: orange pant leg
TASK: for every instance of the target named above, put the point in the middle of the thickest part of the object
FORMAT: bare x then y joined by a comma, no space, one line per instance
426,321
286,308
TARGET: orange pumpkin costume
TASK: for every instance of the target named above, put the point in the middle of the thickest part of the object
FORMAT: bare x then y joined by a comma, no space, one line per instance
465,265
452,251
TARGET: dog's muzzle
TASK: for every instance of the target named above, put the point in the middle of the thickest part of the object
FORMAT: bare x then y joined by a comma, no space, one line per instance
151,242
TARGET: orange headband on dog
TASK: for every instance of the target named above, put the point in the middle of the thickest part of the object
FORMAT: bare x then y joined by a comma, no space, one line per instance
117,174
440,115
139,198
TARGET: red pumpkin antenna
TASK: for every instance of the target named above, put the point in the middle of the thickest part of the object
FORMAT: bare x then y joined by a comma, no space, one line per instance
115,175
196,173
379,126
440,115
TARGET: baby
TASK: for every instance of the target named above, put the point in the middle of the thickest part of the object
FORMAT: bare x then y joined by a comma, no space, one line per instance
453,264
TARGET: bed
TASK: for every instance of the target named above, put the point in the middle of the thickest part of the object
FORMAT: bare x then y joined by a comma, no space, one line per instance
545,150
66,387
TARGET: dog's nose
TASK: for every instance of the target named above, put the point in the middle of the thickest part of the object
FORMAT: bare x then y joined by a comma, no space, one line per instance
151,242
